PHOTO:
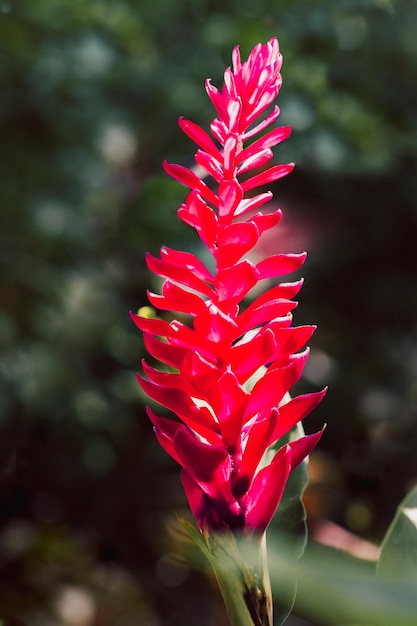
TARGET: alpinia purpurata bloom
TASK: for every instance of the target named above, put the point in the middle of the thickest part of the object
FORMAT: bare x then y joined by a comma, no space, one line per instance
226,424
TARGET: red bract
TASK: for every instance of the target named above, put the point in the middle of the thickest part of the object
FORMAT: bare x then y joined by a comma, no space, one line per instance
227,421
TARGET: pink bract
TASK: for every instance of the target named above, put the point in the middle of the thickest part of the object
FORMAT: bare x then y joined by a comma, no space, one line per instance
227,421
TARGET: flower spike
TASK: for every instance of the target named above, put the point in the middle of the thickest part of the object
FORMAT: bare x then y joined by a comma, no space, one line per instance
226,375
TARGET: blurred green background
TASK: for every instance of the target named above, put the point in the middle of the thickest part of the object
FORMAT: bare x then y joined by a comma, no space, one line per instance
90,93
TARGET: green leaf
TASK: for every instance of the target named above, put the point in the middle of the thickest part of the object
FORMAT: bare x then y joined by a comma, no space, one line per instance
336,588
398,556
196,536
290,516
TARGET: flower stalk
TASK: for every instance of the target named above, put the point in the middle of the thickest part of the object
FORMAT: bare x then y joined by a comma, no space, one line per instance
226,374
241,570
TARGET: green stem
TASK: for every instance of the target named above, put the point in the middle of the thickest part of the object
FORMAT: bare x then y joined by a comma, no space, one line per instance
244,585
241,570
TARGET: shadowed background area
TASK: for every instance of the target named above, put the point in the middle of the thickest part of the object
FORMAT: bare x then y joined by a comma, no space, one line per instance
90,93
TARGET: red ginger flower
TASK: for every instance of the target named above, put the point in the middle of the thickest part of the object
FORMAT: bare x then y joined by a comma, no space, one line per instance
226,424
